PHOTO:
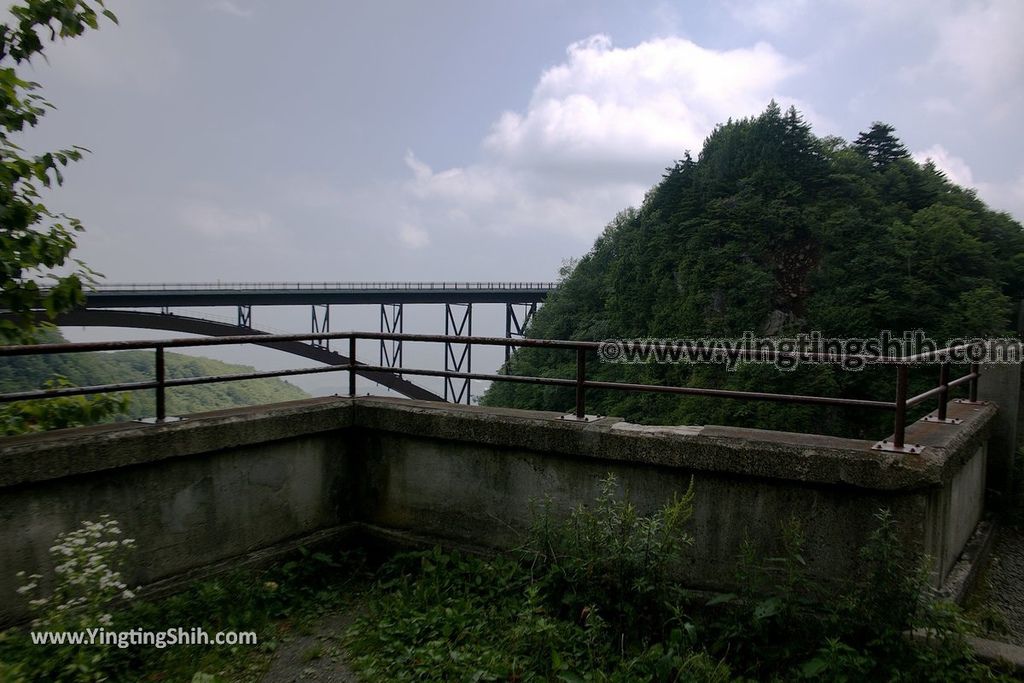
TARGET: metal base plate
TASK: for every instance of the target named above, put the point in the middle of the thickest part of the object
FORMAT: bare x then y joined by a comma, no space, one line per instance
969,403
571,417
947,421
888,447
154,421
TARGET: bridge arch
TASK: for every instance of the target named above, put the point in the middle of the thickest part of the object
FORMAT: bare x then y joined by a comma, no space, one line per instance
210,328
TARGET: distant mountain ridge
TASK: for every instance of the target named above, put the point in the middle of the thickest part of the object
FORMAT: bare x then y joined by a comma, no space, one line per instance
23,373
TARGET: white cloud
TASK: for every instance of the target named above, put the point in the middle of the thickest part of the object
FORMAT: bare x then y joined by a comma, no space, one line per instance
595,135
412,236
668,17
981,44
644,104
972,42
215,222
504,200
477,185
1000,195
230,8
939,105
774,16
138,53
1005,196
955,168
971,48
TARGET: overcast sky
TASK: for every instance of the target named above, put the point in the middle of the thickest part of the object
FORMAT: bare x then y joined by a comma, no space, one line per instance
258,140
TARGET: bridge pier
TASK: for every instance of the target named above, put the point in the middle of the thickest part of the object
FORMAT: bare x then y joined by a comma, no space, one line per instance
321,324
245,316
458,361
515,328
391,323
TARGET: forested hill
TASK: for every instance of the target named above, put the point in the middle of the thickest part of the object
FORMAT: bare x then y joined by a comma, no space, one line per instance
776,231
31,372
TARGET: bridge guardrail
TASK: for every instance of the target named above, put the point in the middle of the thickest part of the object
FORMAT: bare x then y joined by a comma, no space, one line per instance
304,286
579,382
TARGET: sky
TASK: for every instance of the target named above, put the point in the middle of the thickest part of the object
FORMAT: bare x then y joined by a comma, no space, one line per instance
478,140
251,140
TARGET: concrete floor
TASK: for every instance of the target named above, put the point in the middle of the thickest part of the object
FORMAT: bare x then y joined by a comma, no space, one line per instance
315,656
1003,589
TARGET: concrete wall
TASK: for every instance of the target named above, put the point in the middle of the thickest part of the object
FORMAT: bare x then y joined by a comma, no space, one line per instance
190,493
1001,385
221,485
469,476
962,504
473,494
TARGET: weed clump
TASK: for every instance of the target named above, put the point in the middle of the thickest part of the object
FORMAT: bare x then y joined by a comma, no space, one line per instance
592,597
608,559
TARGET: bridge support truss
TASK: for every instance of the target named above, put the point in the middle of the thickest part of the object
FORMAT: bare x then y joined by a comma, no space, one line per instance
458,323
245,316
514,328
391,323
321,324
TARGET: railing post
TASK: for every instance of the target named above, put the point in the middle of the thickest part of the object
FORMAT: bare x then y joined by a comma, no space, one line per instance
352,365
973,384
581,377
900,421
944,393
161,377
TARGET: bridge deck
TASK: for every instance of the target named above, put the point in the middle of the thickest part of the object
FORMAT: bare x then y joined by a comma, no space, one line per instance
144,295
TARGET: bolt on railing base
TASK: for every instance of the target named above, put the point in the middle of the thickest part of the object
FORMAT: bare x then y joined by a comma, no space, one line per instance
968,402
889,447
158,421
945,421
571,417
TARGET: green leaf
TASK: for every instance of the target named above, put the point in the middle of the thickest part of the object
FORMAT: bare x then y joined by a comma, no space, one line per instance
721,599
814,667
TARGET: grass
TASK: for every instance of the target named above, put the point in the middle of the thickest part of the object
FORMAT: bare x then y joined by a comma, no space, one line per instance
279,604
447,616
591,599
439,615
588,598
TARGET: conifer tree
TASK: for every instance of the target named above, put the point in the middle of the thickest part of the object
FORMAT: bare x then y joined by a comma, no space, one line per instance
880,145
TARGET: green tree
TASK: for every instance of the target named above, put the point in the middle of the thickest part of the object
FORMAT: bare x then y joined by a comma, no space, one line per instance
776,231
880,145
23,417
37,272
36,268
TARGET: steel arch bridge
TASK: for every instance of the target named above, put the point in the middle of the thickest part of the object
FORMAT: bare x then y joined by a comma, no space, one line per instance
520,299
176,323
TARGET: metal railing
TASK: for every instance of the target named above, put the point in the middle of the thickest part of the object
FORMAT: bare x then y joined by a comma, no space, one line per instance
316,286
900,405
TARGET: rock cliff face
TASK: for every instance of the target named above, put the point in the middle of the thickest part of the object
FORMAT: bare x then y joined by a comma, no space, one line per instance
778,322
775,231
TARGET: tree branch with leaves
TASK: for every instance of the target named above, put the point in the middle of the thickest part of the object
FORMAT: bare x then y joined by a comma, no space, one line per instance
38,277
37,272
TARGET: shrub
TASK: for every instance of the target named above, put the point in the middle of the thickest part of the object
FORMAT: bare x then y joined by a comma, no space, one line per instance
40,415
87,579
611,559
